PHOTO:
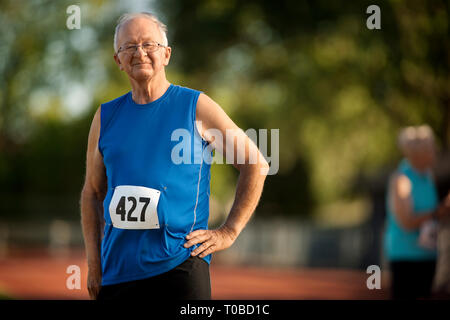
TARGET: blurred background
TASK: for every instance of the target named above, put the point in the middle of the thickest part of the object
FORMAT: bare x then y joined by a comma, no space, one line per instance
337,91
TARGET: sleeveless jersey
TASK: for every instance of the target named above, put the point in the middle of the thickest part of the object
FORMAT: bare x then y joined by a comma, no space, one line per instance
401,244
158,184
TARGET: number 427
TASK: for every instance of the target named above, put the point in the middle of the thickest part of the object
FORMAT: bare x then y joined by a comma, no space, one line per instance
122,211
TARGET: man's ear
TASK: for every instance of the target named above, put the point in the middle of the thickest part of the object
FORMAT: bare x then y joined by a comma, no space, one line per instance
118,62
167,55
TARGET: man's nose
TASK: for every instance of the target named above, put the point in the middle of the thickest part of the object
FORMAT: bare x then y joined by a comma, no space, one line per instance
139,51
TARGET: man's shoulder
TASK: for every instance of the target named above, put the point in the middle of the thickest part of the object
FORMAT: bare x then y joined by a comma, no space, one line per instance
186,90
115,101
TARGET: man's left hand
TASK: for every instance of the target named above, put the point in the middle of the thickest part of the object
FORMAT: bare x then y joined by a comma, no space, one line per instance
211,240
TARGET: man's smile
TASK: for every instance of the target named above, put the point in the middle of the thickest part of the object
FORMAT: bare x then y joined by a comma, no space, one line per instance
141,63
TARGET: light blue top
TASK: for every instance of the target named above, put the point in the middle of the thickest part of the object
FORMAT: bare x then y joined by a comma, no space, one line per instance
401,244
137,142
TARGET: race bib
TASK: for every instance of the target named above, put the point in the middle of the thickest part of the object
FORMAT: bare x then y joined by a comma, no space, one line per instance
428,235
134,207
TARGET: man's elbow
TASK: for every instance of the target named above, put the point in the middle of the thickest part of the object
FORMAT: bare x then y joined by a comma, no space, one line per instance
264,167
89,193
260,168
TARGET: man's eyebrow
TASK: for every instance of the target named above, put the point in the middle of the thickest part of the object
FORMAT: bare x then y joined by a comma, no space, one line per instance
143,41
149,40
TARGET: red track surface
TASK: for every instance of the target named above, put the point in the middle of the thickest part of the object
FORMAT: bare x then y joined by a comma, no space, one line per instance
38,275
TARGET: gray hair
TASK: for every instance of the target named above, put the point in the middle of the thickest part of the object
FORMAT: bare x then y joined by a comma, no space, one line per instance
413,139
129,16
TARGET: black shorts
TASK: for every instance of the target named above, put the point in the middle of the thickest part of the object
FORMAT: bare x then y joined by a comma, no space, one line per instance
188,281
412,279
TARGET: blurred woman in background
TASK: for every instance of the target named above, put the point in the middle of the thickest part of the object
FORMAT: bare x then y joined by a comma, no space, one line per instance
413,210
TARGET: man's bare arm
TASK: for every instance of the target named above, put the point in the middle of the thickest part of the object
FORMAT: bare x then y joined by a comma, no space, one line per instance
401,189
92,196
250,184
248,192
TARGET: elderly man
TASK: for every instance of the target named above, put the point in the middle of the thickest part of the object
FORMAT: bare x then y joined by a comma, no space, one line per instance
144,215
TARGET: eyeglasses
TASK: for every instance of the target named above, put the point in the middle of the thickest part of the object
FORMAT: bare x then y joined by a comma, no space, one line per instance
147,47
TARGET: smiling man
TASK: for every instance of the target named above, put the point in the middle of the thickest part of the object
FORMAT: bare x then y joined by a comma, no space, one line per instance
145,216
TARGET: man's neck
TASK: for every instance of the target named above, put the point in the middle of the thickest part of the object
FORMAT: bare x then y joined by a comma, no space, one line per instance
150,91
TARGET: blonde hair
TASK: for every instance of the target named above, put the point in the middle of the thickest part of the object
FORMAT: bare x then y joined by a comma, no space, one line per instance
129,16
415,139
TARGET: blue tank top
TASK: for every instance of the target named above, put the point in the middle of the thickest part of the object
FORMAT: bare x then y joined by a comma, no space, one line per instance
401,244
137,144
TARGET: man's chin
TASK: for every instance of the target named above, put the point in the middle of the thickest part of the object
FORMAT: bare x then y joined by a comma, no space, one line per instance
142,74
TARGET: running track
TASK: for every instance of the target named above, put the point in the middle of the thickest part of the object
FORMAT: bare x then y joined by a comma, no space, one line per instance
38,275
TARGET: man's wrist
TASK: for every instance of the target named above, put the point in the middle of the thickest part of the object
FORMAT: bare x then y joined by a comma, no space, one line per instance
231,229
94,262
94,265
435,213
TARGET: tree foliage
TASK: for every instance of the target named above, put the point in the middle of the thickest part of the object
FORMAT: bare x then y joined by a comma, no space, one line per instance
337,91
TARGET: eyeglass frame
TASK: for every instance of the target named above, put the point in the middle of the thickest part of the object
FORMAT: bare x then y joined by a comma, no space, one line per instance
158,45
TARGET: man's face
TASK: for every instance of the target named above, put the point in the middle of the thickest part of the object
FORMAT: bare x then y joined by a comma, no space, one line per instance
424,158
141,65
